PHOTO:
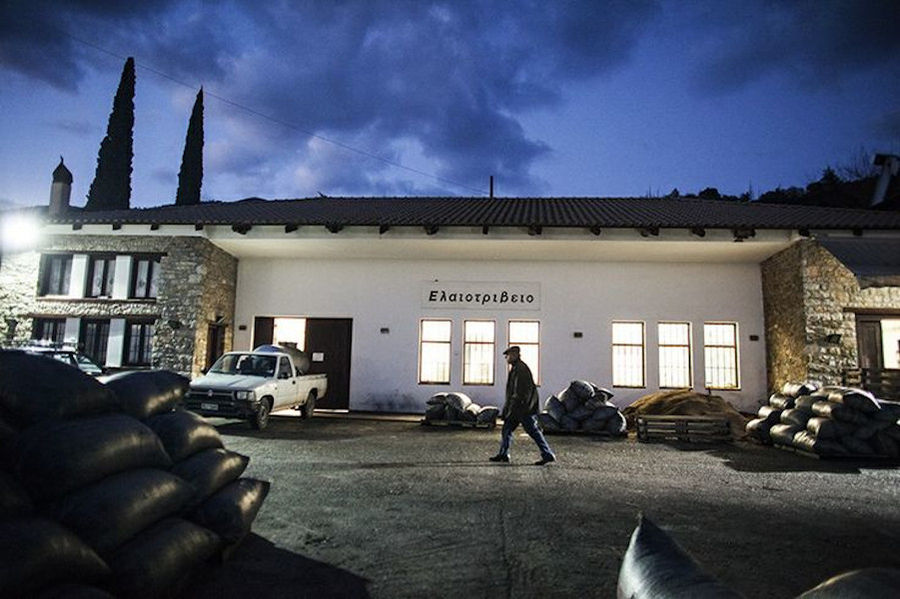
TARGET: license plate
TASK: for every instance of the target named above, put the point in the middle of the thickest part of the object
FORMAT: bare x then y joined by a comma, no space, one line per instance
209,406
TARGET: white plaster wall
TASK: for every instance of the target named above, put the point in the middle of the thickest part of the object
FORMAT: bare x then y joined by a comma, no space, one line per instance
575,296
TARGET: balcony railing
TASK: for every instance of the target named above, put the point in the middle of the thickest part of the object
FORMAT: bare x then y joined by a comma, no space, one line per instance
883,383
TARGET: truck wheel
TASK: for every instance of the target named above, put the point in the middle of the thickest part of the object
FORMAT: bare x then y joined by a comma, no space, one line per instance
261,419
307,409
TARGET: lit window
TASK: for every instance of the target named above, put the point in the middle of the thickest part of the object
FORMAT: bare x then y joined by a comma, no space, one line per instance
56,270
49,329
478,354
628,354
674,355
721,355
101,273
138,342
527,335
434,352
144,275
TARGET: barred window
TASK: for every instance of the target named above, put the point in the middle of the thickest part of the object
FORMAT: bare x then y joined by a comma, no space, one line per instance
478,352
93,338
527,335
138,342
56,270
628,354
434,351
49,329
674,355
101,274
720,352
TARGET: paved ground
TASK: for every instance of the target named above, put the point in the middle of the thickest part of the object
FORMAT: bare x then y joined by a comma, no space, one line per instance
393,509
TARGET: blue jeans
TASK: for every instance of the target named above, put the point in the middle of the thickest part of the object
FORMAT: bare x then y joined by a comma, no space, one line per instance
529,423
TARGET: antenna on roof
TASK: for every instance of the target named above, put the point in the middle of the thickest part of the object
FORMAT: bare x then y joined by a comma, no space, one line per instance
492,187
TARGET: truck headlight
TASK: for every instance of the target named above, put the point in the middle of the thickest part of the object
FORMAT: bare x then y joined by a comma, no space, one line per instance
247,395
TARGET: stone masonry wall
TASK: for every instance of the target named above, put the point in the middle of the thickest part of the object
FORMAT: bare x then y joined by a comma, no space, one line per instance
785,320
195,287
799,320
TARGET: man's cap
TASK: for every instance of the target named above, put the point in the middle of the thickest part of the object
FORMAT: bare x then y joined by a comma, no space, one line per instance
512,349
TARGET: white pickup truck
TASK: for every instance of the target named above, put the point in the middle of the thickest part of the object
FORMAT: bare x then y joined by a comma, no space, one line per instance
251,385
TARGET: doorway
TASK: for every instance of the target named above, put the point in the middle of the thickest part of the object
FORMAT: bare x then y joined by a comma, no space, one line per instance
327,341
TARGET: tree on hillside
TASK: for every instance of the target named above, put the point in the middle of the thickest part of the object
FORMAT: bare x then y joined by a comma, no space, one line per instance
111,187
190,177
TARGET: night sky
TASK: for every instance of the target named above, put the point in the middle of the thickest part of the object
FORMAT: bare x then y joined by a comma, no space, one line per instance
605,99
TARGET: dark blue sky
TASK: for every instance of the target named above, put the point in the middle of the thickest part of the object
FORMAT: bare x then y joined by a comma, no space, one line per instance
552,98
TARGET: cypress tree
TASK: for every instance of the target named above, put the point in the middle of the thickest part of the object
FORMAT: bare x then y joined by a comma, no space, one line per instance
190,177
111,187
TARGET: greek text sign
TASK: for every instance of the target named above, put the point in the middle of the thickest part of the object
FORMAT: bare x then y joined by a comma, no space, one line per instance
481,295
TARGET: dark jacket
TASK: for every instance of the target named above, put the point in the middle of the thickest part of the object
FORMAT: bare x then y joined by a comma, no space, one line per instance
521,392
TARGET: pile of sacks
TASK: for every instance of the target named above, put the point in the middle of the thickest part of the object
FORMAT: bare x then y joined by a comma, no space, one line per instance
585,407
829,421
655,566
110,490
459,407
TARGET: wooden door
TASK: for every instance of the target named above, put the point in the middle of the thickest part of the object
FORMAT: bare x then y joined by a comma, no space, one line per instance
868,338
328,343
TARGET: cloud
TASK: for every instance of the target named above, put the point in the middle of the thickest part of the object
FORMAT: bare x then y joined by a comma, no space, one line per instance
456,77
819,43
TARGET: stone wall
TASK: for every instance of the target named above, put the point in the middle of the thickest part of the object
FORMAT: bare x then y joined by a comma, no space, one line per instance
808,295
195,287
785,317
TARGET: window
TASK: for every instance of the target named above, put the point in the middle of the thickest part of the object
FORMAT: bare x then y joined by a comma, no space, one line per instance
138,342
434,352
674,355
93,338
144,275
284,368
101,272
49,329
478,352
628,354
720,354
56,270
527,335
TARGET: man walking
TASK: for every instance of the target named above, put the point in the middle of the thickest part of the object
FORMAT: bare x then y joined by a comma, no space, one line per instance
521,407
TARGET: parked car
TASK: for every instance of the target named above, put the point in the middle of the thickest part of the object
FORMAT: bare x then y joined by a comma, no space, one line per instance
251,385
66,355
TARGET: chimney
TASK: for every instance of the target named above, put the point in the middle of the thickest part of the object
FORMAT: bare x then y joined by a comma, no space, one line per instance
61,189
889,164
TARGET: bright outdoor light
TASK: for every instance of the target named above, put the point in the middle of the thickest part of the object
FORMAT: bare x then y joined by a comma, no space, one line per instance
19,232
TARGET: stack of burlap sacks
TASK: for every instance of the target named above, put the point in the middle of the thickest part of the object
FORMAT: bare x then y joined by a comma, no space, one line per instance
585,407
655,566
459,407
110,490
829,421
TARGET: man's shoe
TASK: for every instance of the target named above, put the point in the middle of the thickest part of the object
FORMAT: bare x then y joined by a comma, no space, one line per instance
499,458
545,460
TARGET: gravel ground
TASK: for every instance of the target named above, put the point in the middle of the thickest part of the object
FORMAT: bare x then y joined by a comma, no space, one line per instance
384,508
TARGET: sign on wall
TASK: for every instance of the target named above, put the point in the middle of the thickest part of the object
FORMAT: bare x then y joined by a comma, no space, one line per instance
481,295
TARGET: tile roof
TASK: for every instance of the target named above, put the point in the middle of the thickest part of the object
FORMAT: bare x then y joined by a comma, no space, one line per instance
498,212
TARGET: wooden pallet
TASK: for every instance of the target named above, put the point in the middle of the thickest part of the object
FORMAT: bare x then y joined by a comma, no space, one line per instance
458,423
706,429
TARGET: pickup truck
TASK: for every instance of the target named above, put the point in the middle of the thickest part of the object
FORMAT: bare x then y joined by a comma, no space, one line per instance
251,385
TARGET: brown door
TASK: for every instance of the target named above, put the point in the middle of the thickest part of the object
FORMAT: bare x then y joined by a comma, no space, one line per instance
215,343
263,331
328,346
868,338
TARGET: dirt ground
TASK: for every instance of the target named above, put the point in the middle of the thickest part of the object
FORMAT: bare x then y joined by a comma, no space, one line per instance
376,508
